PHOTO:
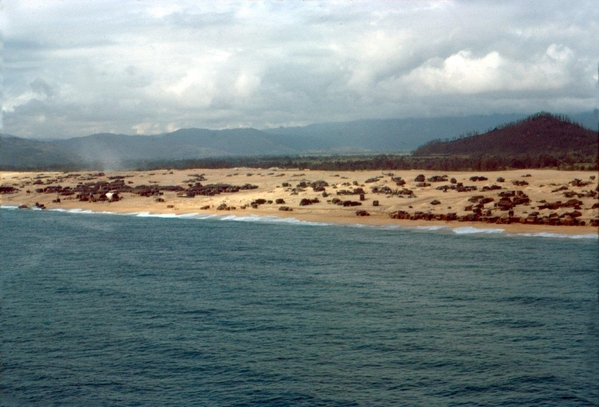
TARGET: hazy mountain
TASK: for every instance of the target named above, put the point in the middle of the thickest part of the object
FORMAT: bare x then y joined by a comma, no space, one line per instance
228,142
114,149
367,136
587,120
392,135
396,135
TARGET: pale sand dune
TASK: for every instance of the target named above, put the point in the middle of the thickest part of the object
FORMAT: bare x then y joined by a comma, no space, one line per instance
269,182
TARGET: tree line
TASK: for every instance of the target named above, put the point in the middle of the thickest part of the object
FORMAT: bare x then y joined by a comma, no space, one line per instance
569,161
562,161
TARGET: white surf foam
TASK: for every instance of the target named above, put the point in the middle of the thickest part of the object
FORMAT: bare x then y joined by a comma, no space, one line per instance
70,210
194,216
432,228
172,215
155,215
392,227
360,225
559,235
468,230
81,211
76,210
270,219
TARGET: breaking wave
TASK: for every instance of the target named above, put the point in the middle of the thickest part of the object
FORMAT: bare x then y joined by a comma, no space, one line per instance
468,230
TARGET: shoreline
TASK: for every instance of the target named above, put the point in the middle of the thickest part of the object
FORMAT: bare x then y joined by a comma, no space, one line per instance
379,194
455,227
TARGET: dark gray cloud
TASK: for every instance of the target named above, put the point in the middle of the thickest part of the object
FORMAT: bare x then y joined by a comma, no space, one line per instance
75,68
41,87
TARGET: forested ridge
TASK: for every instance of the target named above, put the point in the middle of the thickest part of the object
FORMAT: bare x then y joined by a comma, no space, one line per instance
548,140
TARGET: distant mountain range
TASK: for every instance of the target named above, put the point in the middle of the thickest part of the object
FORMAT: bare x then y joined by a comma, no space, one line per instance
363,136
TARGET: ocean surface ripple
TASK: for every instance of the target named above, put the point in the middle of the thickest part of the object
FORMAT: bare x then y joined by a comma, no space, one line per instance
104,309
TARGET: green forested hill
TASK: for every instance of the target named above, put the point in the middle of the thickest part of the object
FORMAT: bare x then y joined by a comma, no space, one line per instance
539,134
17,153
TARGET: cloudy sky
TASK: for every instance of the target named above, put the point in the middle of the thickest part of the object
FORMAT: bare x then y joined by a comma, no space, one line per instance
73,68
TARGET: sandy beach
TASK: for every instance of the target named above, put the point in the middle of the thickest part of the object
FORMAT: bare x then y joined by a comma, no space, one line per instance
519,201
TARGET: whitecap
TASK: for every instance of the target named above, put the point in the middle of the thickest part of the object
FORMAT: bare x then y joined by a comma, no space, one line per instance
78,211
75,211
360,225
468,230
192,216
270,219
392,227
432,228
156,215
559,235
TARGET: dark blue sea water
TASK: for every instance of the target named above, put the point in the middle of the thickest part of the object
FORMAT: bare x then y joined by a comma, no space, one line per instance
103,310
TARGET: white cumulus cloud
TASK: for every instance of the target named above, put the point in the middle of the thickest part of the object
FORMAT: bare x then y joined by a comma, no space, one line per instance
74,68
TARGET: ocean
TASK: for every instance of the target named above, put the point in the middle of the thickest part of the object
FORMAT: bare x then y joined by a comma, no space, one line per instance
141,310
